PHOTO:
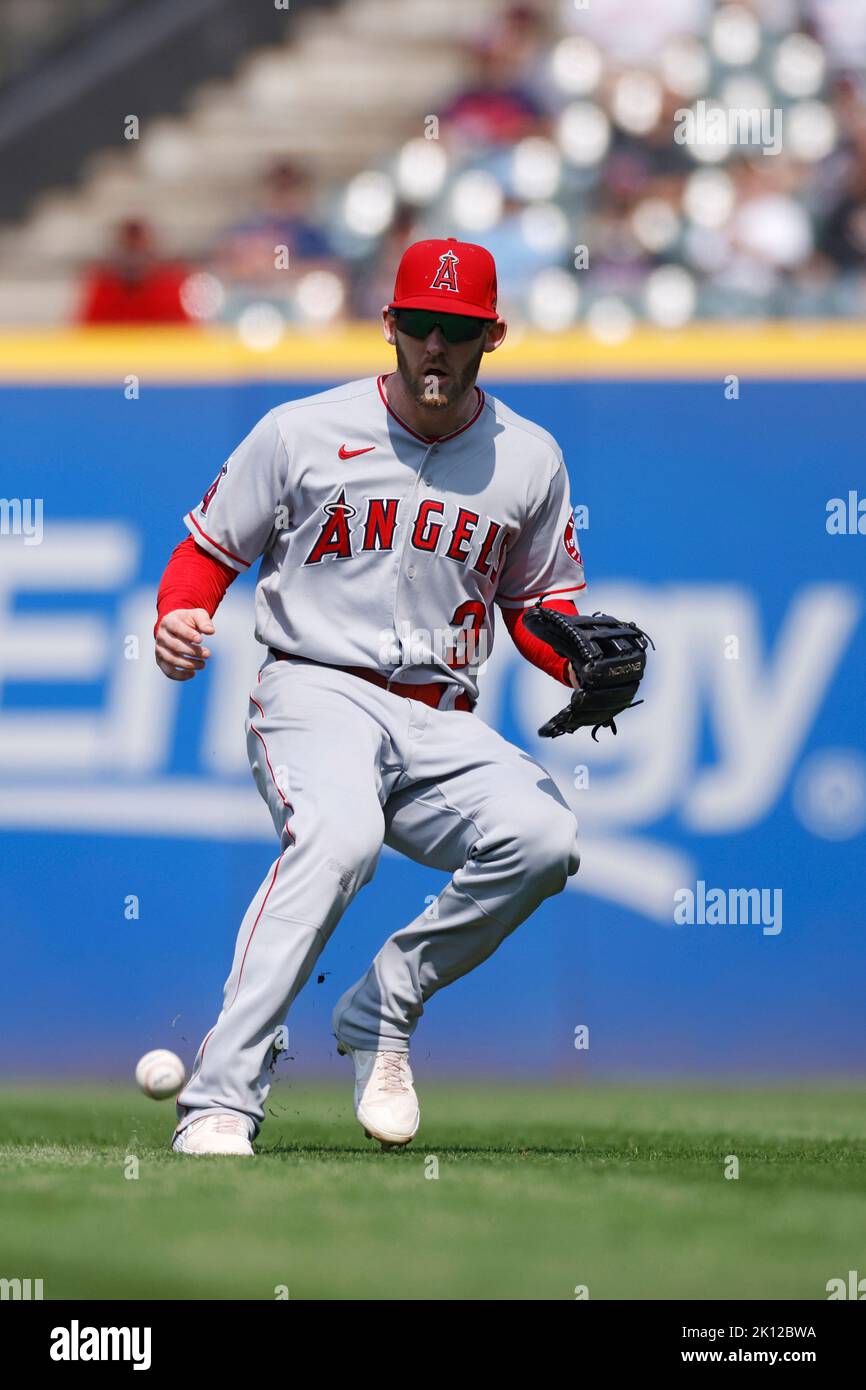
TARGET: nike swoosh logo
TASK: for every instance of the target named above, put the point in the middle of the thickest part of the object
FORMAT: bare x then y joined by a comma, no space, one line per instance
345,453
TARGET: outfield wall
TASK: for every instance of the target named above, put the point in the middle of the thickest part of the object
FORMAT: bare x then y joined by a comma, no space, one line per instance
745,769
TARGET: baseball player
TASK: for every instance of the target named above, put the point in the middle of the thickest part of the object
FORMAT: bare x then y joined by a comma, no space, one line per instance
390,518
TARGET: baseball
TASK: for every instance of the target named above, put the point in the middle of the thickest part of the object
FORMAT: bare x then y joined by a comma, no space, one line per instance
160,1074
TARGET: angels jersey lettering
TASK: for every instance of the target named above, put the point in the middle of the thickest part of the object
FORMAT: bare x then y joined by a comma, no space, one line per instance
373,538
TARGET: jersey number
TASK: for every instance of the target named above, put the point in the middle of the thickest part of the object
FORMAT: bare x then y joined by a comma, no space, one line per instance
465,649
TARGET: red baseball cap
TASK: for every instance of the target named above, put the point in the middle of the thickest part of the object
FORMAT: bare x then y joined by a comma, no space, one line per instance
456,277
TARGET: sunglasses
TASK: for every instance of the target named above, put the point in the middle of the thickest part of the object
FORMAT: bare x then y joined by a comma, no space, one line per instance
456,328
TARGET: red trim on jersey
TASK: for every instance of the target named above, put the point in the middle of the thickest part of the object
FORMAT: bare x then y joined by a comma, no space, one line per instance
519,598
535,649
210,540
380,382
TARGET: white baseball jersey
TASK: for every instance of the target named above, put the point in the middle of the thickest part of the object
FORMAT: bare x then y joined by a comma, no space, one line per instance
383,549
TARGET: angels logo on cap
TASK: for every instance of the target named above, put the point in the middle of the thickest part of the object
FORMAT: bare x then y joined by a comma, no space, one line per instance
446,276
428,279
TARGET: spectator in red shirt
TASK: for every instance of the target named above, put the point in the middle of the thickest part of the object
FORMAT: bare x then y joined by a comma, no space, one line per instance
134,286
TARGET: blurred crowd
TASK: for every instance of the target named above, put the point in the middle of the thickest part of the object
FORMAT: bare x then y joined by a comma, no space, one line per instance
568,155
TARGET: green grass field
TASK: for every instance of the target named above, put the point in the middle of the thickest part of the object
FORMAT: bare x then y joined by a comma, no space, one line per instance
539,1190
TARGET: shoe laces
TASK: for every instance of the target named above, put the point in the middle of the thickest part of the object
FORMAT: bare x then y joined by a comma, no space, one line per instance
391,1069
231,1124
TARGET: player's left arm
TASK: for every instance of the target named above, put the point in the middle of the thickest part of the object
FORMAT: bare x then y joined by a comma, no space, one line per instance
537,651
543,563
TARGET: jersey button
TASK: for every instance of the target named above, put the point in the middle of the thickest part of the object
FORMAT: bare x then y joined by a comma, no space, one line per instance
411,571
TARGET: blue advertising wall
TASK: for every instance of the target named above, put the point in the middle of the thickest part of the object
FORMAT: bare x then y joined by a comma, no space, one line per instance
745,768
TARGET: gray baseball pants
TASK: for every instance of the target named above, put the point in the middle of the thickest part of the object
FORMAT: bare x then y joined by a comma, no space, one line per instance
344,767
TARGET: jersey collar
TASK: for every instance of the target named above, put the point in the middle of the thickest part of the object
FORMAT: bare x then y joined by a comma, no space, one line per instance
380,382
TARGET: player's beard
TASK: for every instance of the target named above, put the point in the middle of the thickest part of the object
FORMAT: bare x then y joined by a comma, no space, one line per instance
423,387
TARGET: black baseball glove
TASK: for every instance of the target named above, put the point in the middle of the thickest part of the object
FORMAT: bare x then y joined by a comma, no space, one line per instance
608,657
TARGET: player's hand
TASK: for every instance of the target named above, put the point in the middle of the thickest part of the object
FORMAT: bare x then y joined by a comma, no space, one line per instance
179,650
572,677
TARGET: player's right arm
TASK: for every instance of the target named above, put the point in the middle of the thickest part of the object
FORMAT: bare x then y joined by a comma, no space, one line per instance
230,528
235,520
190,591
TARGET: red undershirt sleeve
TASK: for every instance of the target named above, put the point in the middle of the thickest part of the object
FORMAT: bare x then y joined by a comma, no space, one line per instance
532,647
192,579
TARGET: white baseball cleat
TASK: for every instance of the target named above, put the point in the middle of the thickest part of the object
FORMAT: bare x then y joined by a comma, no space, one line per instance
215,1134
385,1100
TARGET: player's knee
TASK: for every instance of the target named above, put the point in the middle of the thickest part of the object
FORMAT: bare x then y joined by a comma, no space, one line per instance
571,847
562,856
345,847
549,846
353,848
